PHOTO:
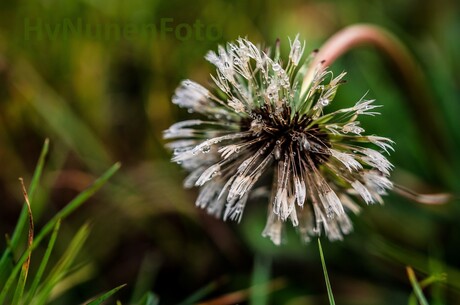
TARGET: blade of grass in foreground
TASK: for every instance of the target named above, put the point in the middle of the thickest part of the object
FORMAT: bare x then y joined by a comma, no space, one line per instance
25,267
43,263
105,296
61,269
415,285
13,242
435,278
326,277
69,208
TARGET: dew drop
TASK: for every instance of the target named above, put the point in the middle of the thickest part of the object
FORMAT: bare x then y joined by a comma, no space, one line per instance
324,101
329,212
277,152
205,149
306,144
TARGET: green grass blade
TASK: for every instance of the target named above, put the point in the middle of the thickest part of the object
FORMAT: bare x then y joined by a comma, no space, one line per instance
25,267
105,296
6,287
43,263
20,285
62,267
13,243
415,285
39,170
432,279
326,277
69,208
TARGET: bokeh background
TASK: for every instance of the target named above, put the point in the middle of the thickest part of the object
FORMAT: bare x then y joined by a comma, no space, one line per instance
102,98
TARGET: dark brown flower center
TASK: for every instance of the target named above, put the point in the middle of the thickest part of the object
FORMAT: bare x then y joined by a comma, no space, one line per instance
289,136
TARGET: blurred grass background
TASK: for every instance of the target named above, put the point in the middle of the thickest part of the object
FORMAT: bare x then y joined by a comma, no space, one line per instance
102,99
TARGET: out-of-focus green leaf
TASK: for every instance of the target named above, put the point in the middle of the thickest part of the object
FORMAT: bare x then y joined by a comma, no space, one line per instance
415,285
326,277
105,296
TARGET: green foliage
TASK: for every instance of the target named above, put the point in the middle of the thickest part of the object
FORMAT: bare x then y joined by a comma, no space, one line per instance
105,296
417,294
326,277
415,285
20,226
41,289
101,100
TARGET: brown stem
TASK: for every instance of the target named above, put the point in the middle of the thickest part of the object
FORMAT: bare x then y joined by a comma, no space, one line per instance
420,102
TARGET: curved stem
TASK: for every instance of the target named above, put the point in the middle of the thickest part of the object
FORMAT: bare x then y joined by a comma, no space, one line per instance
420,102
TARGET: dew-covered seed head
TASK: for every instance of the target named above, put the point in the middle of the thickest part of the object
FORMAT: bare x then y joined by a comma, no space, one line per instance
255,125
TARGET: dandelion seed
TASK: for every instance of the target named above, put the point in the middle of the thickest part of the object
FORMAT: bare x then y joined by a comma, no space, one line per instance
296,50
261,126
352,127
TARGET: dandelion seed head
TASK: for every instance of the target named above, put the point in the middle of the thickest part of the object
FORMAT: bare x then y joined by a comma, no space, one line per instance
256,124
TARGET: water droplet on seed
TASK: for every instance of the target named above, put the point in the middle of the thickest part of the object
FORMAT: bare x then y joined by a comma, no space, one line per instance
205,149
324,102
